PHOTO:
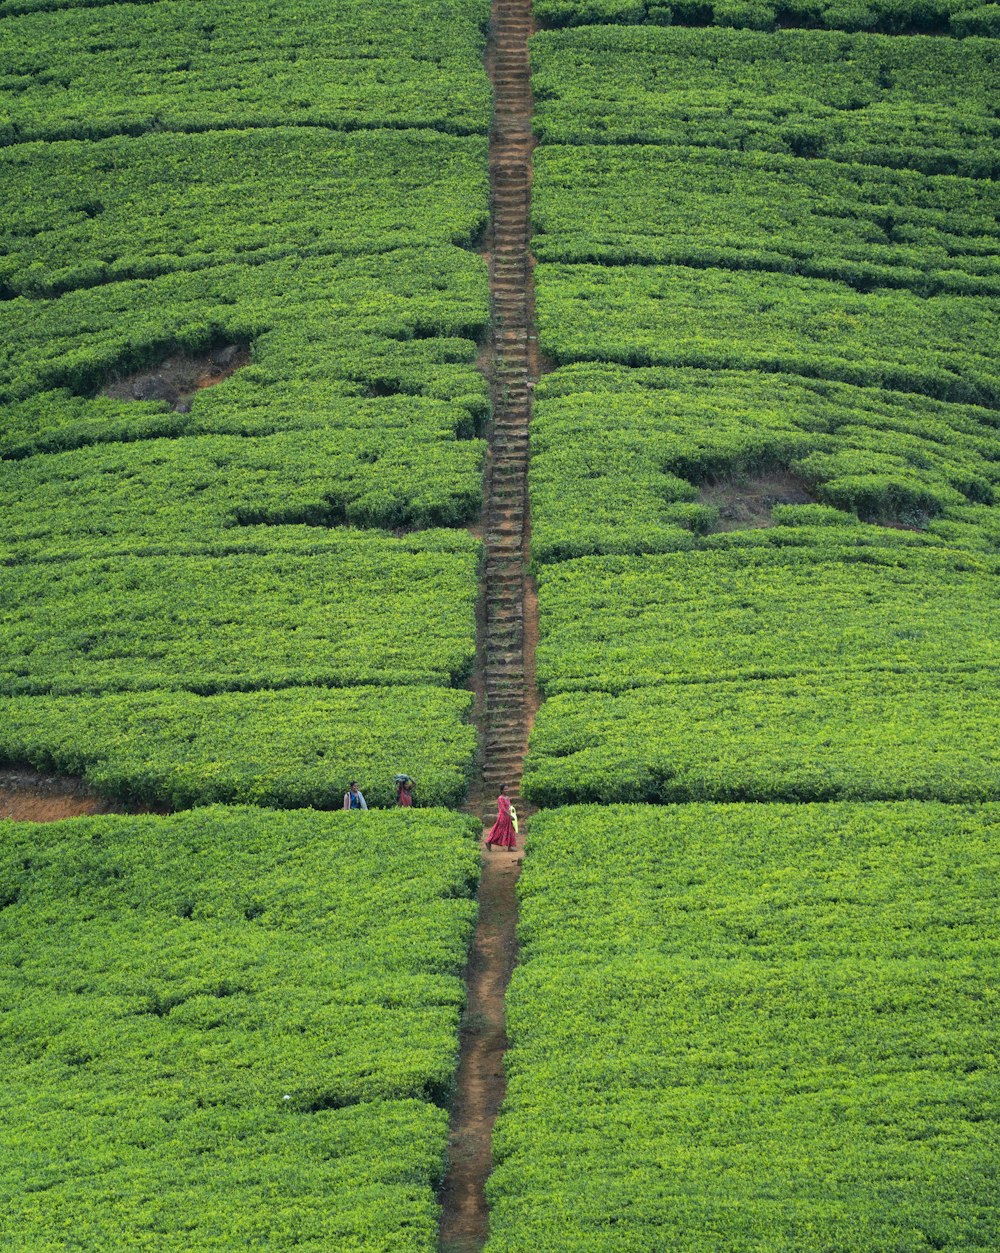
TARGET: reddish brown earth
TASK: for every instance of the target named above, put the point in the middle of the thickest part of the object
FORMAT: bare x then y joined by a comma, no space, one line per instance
747,500
178,378
505,685
27,796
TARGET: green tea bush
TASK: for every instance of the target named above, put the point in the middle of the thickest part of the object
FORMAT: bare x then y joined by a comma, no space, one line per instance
403,469
230,1027
294,747
358,609
327,316
823,611
919,103
615,448
370,383
77,214
838,735
86,73
672,315
862,225
752,1027
954,17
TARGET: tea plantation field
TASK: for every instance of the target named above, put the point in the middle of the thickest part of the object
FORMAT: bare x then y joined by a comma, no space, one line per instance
303,185
230,1027
779,1033
772,426
243,312
241,450
755,1008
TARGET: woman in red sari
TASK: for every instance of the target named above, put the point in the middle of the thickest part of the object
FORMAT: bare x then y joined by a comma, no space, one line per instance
502,832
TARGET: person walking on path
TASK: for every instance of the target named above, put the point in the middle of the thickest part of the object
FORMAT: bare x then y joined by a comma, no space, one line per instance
353,799
502,832
404,792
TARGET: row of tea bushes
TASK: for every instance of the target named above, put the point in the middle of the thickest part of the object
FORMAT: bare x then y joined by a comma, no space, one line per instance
89,72
860,224
747,1027
719,319
324,315
429,385
764,614
878,735
296,746
230,1026
954,17
403,468
351,608
919,103
76,214
617,453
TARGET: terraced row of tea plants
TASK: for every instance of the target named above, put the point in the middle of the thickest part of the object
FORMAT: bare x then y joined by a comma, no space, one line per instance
955,17
763,486
241,445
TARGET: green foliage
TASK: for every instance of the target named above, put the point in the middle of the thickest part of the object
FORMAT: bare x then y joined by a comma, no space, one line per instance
955,17
763,614
173,556
247,1021
614,449
354,608
325,316
424,385
78,214
405,468
293,747
838,735
926,104
673,315
244,1019
750,1027
860,224
85,73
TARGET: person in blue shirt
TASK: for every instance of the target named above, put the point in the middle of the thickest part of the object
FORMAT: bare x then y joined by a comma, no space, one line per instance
353,799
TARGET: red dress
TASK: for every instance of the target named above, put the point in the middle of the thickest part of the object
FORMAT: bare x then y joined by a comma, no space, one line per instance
502,832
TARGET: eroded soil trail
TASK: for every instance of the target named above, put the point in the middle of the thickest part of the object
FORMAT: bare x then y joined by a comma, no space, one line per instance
509,627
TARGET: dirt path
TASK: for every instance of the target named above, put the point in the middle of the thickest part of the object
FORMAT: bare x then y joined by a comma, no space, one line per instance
509,628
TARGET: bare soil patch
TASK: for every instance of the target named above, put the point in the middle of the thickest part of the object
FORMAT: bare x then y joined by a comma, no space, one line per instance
28,795
179,377
746,501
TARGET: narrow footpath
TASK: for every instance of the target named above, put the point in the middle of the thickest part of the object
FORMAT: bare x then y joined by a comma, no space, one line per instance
509,628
